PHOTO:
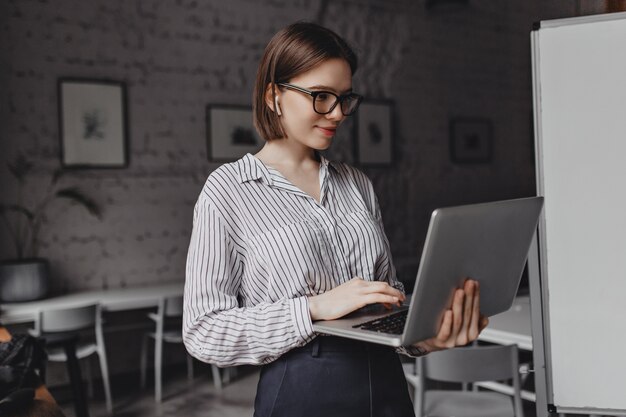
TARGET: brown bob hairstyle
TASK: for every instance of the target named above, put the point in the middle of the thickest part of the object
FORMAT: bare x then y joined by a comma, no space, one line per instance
292,51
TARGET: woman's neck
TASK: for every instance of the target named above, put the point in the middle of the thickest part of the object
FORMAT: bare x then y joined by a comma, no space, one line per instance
280,152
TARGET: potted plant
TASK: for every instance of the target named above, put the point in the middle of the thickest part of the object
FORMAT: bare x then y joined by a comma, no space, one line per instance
26,277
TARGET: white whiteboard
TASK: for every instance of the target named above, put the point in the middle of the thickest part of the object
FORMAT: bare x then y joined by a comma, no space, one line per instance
580,108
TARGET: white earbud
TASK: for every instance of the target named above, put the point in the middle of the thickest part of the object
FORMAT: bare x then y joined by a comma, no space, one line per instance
277,106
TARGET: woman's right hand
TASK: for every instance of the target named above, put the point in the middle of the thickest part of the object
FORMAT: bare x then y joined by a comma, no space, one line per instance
351,296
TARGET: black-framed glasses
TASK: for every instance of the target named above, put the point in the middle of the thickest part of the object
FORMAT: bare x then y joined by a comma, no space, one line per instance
325,102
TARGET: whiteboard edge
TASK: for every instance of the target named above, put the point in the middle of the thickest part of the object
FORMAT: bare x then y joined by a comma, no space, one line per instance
591,411
541,324
547,24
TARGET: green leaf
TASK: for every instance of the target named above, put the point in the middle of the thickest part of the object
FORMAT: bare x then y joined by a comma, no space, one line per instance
76,195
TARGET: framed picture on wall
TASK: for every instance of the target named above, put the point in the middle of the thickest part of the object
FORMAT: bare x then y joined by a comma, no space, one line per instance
470,140
230,132
374,133
93,123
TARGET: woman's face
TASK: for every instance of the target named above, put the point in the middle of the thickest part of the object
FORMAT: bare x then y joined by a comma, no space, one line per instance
299,120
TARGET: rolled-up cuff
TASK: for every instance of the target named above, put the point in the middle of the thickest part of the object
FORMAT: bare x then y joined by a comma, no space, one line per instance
301,316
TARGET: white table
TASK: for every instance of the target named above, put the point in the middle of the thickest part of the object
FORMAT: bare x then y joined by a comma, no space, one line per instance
118,299
512,326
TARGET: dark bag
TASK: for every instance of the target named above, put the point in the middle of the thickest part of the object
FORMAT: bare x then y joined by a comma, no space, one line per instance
22,364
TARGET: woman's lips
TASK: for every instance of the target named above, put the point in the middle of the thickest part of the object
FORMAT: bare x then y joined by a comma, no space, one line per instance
327,131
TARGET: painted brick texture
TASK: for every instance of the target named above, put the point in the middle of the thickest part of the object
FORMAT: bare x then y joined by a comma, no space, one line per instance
178,56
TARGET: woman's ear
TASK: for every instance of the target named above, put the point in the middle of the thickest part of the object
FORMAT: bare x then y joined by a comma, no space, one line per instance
271,101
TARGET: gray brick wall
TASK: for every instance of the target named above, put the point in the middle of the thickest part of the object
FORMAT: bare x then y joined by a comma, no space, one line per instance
177,57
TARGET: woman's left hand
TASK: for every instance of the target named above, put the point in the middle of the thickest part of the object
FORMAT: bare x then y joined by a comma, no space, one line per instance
462,323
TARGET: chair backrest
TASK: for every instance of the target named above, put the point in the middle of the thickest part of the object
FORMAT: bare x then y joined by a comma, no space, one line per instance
173,306
472,364
169,308
67,319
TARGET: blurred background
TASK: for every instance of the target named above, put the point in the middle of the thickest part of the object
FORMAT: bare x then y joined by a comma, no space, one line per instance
433,61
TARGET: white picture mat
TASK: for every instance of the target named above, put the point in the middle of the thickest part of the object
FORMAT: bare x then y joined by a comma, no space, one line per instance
370,151
583,148
107,101
223,123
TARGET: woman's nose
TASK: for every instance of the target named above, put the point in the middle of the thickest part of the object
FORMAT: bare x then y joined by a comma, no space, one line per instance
336,114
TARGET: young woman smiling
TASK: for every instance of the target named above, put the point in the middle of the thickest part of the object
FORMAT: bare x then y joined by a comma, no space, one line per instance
285,237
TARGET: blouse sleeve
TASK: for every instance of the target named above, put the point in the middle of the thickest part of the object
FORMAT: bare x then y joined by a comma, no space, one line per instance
216,329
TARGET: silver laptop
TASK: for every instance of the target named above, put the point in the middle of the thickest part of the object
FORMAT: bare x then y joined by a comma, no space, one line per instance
487,242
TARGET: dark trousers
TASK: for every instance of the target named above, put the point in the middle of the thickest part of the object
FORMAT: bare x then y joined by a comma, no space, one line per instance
333,376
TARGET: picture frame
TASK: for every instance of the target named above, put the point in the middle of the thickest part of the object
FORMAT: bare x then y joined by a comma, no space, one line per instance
230,132
471,140
93,123
374,133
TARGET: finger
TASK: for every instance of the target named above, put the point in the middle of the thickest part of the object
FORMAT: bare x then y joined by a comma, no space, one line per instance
474,328
457,312
376,285
445,331
383,288
388,306
396,304
379,298
484,322
469,289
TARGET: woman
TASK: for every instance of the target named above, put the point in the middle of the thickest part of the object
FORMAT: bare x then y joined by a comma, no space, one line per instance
285,237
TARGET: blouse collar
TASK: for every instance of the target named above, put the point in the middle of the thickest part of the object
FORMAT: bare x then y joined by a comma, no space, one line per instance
251,168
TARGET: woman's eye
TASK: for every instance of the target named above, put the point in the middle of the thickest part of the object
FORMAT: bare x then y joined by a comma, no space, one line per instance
323,96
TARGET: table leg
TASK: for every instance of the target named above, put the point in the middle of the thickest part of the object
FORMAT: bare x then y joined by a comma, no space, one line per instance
78,391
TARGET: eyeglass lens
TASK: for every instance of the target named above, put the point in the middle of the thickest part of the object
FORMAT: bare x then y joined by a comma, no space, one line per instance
325,103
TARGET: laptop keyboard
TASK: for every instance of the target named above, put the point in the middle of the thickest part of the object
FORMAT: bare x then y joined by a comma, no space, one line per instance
393,323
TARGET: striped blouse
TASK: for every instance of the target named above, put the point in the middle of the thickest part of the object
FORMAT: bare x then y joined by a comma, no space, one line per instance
260,246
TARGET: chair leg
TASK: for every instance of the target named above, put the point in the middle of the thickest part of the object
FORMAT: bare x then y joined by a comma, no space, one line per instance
158,361
76,381
417,404
217,379
189,371
143,361
89,376
104,369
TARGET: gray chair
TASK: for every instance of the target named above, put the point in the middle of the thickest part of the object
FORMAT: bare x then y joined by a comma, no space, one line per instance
77,320
170,310
468,365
